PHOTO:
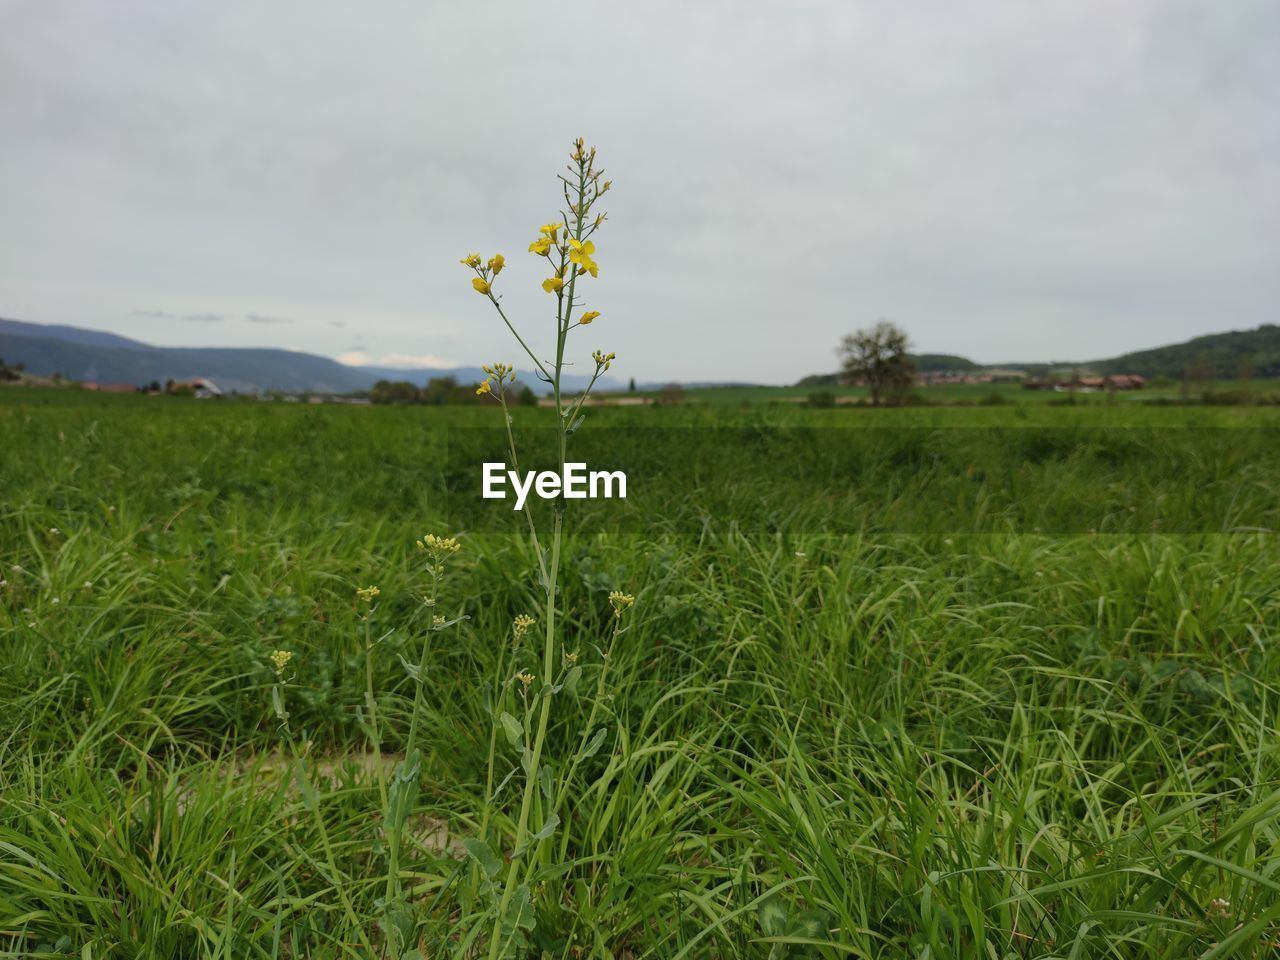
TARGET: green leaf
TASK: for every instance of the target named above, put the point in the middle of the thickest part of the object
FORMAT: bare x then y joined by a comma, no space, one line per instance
404,791
593,744
520,913
309,798
772,914
399,925
544,778
511,727
483,855
410,668
810,925
548,828
571,681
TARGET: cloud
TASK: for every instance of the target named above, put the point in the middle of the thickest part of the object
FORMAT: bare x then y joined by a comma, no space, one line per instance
338,323
264,318
407,361
154,314
203,317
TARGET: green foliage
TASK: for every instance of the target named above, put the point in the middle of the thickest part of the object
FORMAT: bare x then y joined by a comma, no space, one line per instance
873,745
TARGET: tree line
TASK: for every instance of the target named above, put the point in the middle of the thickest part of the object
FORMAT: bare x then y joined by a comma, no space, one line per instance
438,391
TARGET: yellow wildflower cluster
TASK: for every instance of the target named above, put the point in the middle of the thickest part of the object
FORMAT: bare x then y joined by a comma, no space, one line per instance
367,594
280,660
482,282
620,601
438,547
520,626
603,360
549,233
496,375
525,679
571,658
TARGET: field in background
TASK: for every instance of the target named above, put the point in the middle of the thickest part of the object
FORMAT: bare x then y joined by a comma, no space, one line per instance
944,745
975,393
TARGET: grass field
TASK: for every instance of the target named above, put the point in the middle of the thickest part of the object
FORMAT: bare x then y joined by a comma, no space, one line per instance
984,393
879,744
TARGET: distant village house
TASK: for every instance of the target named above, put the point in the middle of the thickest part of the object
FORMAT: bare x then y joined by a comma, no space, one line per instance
1080,384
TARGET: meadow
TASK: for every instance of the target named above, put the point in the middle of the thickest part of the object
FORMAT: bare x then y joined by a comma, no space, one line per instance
972,740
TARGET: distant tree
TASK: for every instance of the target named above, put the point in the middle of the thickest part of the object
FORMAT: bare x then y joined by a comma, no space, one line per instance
878,356
1246,366
526,398
397,391
1198,372
441,390
631,387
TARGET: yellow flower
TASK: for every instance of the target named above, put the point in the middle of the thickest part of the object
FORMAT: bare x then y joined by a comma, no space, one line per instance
588,317
496,263
483,388
552,284
620,601
541,246
550,229
367,593
581,255
481,285
280,659
470,260
521,625
526,678
438,546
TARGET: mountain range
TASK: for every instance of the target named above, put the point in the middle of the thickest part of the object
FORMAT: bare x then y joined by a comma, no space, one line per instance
94,355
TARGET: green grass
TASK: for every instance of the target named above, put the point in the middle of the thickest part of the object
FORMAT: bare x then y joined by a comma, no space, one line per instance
980,393
879,745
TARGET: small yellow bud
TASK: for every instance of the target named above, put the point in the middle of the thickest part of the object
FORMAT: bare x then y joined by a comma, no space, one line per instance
588,317
620,601
280,660
367,594
481,285
470,260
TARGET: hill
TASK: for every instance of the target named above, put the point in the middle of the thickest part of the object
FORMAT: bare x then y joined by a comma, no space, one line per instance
1237,354
93,355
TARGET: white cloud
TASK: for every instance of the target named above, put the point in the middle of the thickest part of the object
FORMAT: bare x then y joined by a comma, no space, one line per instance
407,361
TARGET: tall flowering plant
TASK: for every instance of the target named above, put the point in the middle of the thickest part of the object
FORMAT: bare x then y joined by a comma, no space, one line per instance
567,245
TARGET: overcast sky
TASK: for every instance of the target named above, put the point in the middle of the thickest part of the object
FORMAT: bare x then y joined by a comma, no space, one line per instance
1006,180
